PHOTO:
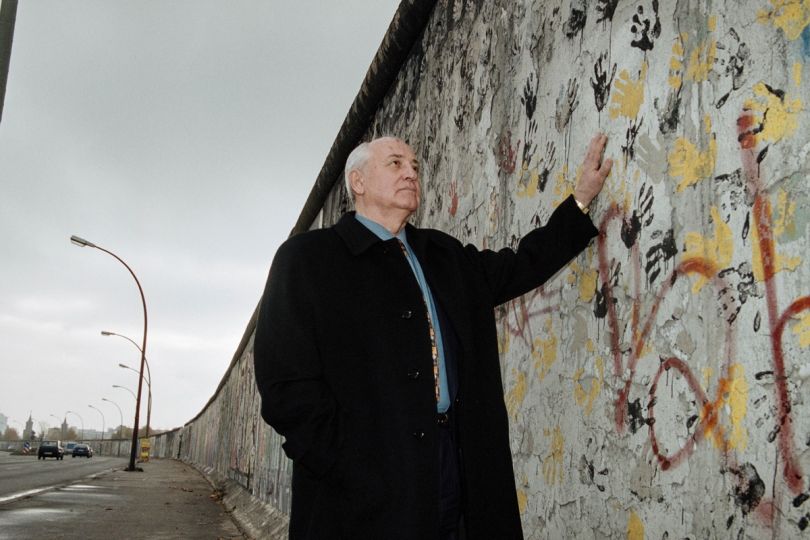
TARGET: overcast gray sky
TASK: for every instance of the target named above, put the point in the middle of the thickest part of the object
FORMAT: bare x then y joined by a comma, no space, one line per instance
184,136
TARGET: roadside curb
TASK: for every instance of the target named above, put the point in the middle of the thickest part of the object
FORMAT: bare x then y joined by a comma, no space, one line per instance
257,520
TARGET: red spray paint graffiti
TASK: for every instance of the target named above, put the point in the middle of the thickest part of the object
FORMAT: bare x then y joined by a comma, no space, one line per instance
762,220
709,418
522,310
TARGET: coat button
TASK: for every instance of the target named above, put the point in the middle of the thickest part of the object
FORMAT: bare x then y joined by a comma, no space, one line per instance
413,373
407,314
457,402
419,435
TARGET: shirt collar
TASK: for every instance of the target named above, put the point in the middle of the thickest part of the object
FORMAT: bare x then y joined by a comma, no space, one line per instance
381,232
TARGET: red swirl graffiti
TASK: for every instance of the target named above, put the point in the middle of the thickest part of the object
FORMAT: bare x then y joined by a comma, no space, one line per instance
710,410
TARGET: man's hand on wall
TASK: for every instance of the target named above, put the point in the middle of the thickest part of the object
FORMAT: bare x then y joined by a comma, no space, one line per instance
594,171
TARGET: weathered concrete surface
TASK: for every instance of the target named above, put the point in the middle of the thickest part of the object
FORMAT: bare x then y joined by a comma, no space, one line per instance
656,386
240,454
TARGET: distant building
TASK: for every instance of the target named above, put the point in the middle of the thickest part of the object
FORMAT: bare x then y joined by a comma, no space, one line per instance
28,433
93,435
3,424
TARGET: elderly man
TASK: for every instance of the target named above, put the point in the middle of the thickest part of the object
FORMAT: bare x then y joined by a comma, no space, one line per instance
376,358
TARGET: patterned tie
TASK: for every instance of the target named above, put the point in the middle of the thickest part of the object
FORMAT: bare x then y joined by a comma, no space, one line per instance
434,349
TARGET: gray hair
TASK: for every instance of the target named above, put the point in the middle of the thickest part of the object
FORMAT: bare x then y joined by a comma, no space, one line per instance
357,160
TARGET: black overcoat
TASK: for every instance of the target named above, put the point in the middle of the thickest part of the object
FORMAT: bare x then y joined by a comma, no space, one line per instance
343,366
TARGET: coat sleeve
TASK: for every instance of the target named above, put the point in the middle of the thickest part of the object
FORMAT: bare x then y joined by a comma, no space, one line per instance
540,254
295,400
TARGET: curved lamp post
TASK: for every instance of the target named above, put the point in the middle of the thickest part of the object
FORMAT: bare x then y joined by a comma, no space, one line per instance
81,242
127,389
121,425
148,377
103,423
80,419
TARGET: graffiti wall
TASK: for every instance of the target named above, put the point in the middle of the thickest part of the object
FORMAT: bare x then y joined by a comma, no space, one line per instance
657,385
230,442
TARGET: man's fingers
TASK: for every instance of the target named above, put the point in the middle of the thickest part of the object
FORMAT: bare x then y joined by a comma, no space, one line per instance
604,170
595,148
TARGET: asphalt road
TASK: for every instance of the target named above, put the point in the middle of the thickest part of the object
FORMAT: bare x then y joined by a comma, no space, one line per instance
20,474
163,500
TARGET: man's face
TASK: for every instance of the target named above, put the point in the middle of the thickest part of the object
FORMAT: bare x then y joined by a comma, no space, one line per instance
389,181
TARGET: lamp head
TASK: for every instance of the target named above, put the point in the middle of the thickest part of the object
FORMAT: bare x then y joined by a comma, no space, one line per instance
106,333
81,242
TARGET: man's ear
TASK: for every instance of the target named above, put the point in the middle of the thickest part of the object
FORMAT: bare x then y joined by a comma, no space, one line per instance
356,181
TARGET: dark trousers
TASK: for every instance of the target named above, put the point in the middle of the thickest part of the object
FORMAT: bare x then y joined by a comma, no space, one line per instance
449,484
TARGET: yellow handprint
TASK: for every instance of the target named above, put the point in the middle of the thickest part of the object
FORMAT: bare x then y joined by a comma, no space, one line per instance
781,119
789,15
628,94
687,162
718,250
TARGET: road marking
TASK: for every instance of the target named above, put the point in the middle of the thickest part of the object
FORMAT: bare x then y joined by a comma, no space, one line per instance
20,495
30,492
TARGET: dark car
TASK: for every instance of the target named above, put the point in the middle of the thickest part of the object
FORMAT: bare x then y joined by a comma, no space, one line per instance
51,449
82,450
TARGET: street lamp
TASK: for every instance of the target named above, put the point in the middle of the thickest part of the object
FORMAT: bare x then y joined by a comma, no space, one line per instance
148,376
57,418
80,419
103,423
127,389
81,242
121,425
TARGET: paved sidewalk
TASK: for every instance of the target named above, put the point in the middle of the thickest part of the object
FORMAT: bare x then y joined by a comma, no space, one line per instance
168,500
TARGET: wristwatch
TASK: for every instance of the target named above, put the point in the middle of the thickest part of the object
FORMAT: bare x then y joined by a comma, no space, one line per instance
581,206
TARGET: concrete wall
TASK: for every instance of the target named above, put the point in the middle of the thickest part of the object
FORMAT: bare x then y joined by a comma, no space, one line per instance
242,455
655,386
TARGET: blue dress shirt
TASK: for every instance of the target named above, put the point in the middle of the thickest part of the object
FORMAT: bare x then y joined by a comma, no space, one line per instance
384,234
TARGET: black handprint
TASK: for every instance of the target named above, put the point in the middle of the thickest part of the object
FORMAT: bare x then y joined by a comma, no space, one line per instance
567,102
529,98
631,227
576,21
644,35
601,84
669,117
630,138
606,8
746,286
600,305
548,164
735,65
645,203
659,254
529,147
